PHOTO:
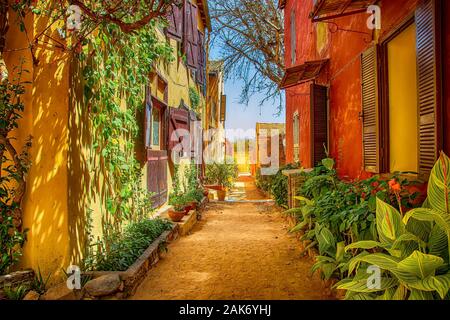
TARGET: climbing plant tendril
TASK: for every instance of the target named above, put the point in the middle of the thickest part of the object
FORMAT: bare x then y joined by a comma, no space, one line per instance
117,68
116,49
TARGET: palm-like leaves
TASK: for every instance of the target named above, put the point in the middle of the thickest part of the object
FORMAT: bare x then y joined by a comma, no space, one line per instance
413,251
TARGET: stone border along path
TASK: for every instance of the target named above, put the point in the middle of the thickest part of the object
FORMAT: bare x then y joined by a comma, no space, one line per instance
240,250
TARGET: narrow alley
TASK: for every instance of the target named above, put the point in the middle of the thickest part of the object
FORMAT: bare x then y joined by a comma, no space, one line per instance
239,250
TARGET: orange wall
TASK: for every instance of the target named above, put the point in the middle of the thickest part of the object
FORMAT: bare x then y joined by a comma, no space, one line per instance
342,74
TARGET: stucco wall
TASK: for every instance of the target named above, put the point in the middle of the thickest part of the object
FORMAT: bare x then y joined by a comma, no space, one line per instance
342,74
45,205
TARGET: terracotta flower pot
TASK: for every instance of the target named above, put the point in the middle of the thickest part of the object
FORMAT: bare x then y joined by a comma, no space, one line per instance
176,216
221,194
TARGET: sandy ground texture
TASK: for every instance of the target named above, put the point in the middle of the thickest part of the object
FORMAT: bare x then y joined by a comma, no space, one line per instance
238,251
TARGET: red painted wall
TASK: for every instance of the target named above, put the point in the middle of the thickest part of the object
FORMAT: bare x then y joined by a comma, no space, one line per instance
342,74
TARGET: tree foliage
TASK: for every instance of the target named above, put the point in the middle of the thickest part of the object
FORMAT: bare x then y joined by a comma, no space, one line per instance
250,34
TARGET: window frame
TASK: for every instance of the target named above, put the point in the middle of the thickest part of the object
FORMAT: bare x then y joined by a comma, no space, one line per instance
383,88
152,145
293,42
296,136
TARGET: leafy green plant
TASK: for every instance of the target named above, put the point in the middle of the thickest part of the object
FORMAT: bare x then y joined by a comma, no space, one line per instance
334,211
126,247
15,293
194,98
14,166
412,249
222,174
279,186
39,283
178,201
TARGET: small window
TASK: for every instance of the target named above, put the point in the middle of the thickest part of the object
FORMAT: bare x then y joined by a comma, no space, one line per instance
156,121
296,137
293,39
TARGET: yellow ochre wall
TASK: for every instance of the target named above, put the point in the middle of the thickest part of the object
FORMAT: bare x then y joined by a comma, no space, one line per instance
403,101
65,182
179,80
45,206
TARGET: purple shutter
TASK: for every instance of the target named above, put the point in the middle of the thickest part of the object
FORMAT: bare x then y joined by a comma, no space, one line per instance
178,119
175,28
190,39
201,69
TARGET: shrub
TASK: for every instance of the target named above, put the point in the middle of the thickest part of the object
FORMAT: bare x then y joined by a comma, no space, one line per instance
222,174
411,249
276,185
334,213
125,248
263,182
14,165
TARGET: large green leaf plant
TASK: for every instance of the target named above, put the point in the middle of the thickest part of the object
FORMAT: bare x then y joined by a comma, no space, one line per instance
411,251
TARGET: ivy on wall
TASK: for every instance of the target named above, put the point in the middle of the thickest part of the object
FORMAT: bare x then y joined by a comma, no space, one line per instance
117,66
117,50
14,165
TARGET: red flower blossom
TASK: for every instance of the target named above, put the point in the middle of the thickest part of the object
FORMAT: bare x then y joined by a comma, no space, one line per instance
392,183
396,187
375,184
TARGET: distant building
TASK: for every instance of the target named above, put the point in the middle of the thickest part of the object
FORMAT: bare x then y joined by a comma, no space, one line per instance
266,134
215,115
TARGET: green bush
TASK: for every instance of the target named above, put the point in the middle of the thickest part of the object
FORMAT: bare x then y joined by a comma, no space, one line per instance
411,249
13,174
334,213
263,182
276,185
222,174
124,248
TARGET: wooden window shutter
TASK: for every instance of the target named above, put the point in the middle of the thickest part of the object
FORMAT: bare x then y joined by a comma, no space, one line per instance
319,123
147,118
223,107
178,119
296,137
293,39
157,176
201,59
429,84
370,110
190,39
175,18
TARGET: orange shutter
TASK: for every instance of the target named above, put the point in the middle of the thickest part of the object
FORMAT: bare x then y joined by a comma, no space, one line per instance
429,85
370,110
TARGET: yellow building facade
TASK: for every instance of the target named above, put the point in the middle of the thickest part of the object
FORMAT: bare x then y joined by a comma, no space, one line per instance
65,184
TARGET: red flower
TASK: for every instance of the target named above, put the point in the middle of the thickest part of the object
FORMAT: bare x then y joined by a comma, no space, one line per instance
396,187
375,184
392,183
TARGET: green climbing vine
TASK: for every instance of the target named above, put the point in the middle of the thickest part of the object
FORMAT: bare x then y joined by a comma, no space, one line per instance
194,98
117,47
116,71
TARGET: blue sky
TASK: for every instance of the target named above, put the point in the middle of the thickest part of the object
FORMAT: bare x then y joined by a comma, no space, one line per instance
242,116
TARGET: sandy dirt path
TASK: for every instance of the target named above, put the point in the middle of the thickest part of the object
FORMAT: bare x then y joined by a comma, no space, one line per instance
238,251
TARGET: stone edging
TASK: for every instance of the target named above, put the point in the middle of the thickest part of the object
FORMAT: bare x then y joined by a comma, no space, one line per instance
133,276
16,279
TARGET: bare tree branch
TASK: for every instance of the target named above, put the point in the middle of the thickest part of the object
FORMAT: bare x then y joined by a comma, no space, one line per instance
250,35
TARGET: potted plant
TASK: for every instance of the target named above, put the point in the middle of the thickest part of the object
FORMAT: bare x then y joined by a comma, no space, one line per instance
223,176
178,210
